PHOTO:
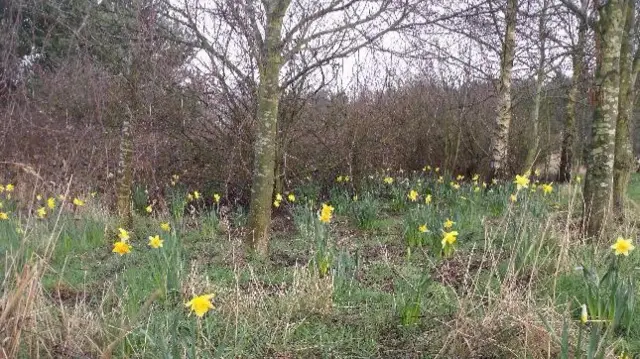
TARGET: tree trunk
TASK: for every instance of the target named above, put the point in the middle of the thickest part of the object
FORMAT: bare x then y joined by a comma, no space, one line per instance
265,141
537,100
623,151
500,136
566,155
125,173
599,179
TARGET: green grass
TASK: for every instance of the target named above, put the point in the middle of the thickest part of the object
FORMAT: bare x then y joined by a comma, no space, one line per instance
512,272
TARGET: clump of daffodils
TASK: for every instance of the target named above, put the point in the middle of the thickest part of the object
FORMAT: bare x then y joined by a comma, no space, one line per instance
326,213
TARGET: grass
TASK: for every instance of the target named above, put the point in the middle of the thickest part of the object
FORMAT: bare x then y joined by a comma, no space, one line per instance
510,288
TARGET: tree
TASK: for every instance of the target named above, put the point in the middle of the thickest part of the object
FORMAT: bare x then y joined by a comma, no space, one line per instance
568,134
500,134
599,178
267,46
629,66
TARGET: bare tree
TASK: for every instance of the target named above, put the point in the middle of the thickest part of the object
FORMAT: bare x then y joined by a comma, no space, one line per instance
267,46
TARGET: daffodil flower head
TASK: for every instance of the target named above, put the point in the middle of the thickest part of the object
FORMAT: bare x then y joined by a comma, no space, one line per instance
326,213
622,246
51,203
78,202
121,247
41,212
521,182
427,199
448,224
423,228
449,238
412,195
165,226
149,209
216,198
291,197
123,234
201,304
155,241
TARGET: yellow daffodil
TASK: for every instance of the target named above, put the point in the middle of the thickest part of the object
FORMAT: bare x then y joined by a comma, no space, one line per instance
189,197
41,212
537,172
388,180
476,177
455,185
276,203
78,202
459,178
155,241
123,234
440,179
196,195
584,315
347,178
121,248
623,246
1,188
326,213
412,195
513,198
9,187
521,182
4,216
279,197
355,198
165,226
423,228
448,224
339,179
476,189
291,197
39,197
578,179
547,188
216,198
427,199
201,304
449,238
149,209
437,169
51,203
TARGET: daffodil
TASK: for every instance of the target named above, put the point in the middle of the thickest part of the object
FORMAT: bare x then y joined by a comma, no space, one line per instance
149,209
448,224
165,226
388,180
201,304
584,315
121,247
355,198
291,197
513,198
455,185
427,199
279,197
623,246
449,238
339,179
347,178
476,177
78,202
196,195
41,212
578,179
39,197
155,241
437,169
1,188
216,198
521,182
547,188
476,189
412,195
440,179
326,213
4,216
123,234
9,187
459,178
423,228
51,203
276,203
